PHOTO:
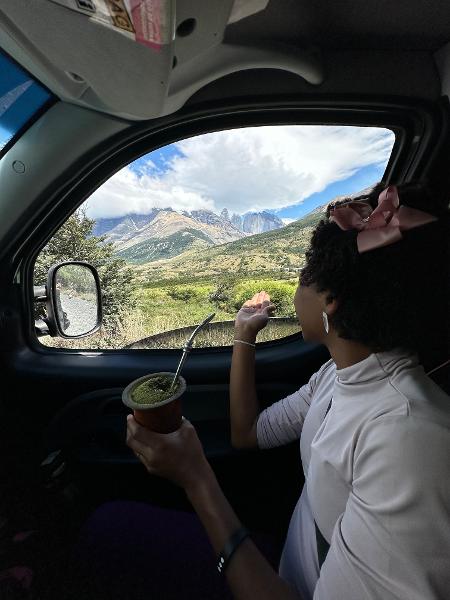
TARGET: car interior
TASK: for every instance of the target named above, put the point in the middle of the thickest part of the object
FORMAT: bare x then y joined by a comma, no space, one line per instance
112,96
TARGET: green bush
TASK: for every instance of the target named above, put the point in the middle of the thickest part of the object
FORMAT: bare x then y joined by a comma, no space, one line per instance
222,293
281,294
183,292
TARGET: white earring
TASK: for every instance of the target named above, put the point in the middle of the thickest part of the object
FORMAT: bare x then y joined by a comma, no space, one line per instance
325,322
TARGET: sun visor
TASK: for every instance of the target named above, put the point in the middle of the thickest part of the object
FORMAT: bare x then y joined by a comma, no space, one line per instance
135,59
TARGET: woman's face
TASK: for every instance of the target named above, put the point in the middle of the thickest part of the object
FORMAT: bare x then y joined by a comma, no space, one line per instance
309,305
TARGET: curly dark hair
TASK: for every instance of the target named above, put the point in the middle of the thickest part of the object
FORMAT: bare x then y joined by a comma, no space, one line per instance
391,297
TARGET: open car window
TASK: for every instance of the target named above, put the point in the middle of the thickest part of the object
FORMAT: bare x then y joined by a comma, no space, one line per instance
202,224
22,98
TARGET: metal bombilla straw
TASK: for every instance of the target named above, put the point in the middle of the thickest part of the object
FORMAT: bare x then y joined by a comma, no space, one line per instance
188,346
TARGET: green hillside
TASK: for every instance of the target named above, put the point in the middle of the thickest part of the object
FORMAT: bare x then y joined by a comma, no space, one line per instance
277,251
156,249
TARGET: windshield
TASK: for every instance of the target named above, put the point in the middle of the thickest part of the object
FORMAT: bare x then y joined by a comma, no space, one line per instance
21,98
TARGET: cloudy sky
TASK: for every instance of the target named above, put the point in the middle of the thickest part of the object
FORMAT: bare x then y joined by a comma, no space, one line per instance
284,169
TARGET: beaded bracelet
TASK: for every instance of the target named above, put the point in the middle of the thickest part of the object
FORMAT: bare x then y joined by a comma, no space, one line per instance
235,540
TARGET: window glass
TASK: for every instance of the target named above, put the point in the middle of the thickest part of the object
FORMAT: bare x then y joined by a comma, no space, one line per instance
201,225
20,98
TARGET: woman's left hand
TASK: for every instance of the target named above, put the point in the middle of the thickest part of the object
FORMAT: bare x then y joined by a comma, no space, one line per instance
176,456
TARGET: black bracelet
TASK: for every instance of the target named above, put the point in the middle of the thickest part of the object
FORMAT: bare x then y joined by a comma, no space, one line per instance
232,544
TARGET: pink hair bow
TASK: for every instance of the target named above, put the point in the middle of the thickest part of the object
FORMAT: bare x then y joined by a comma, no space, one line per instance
381,226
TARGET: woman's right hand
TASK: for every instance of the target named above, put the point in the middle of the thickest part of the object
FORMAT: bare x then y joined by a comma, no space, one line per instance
253,316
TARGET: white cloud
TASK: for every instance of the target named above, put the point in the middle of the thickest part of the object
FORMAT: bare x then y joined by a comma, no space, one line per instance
128,192
245,169
286,221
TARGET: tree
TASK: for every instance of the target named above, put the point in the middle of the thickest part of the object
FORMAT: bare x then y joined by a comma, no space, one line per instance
74,241
223,290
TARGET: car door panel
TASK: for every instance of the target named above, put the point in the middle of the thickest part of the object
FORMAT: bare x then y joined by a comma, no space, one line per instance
87,420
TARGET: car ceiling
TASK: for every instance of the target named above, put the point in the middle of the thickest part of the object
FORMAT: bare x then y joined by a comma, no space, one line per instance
318,48
344,24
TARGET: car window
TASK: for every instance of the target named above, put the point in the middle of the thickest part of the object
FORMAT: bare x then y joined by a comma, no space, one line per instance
21,98
202,224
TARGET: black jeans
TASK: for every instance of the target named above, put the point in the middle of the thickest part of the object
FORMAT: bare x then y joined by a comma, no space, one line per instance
135,551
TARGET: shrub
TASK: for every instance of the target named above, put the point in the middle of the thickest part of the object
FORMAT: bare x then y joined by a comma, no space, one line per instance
183,292
222,293
281,294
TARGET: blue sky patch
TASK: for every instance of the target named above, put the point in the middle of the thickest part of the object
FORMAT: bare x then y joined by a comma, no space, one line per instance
365,177
20,98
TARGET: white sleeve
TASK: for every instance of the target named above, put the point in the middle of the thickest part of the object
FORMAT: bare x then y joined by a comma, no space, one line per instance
393,540
282,422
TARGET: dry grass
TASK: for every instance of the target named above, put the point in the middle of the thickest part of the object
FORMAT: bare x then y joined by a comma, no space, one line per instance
224,336
134,328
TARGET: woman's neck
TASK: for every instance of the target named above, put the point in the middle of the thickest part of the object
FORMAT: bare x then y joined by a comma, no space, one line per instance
346,353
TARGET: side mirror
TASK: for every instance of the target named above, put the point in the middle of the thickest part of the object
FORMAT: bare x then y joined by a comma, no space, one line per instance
73,300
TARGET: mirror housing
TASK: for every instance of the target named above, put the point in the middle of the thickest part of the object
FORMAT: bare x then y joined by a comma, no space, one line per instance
73,301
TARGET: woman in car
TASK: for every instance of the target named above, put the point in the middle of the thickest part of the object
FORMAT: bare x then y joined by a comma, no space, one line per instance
373,520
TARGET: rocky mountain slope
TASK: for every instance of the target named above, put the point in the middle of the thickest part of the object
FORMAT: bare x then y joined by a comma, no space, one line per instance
280,250
165,233
253,222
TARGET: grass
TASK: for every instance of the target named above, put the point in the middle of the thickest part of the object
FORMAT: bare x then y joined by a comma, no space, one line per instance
164,306
224,336
171,306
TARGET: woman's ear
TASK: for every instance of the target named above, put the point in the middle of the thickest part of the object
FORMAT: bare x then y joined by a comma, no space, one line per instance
330,304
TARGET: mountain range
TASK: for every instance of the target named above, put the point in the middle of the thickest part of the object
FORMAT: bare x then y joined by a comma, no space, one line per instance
165,233
282,249
253,222
278,250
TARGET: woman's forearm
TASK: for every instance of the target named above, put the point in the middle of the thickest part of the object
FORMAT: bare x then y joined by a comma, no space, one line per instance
248,573
244,406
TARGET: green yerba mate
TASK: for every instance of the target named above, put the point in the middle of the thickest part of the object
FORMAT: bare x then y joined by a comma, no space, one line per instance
154,390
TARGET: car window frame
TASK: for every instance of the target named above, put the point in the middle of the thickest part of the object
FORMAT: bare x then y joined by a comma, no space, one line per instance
276,341
147,137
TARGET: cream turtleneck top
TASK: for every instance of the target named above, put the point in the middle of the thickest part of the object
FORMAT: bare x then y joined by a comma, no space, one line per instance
377,481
